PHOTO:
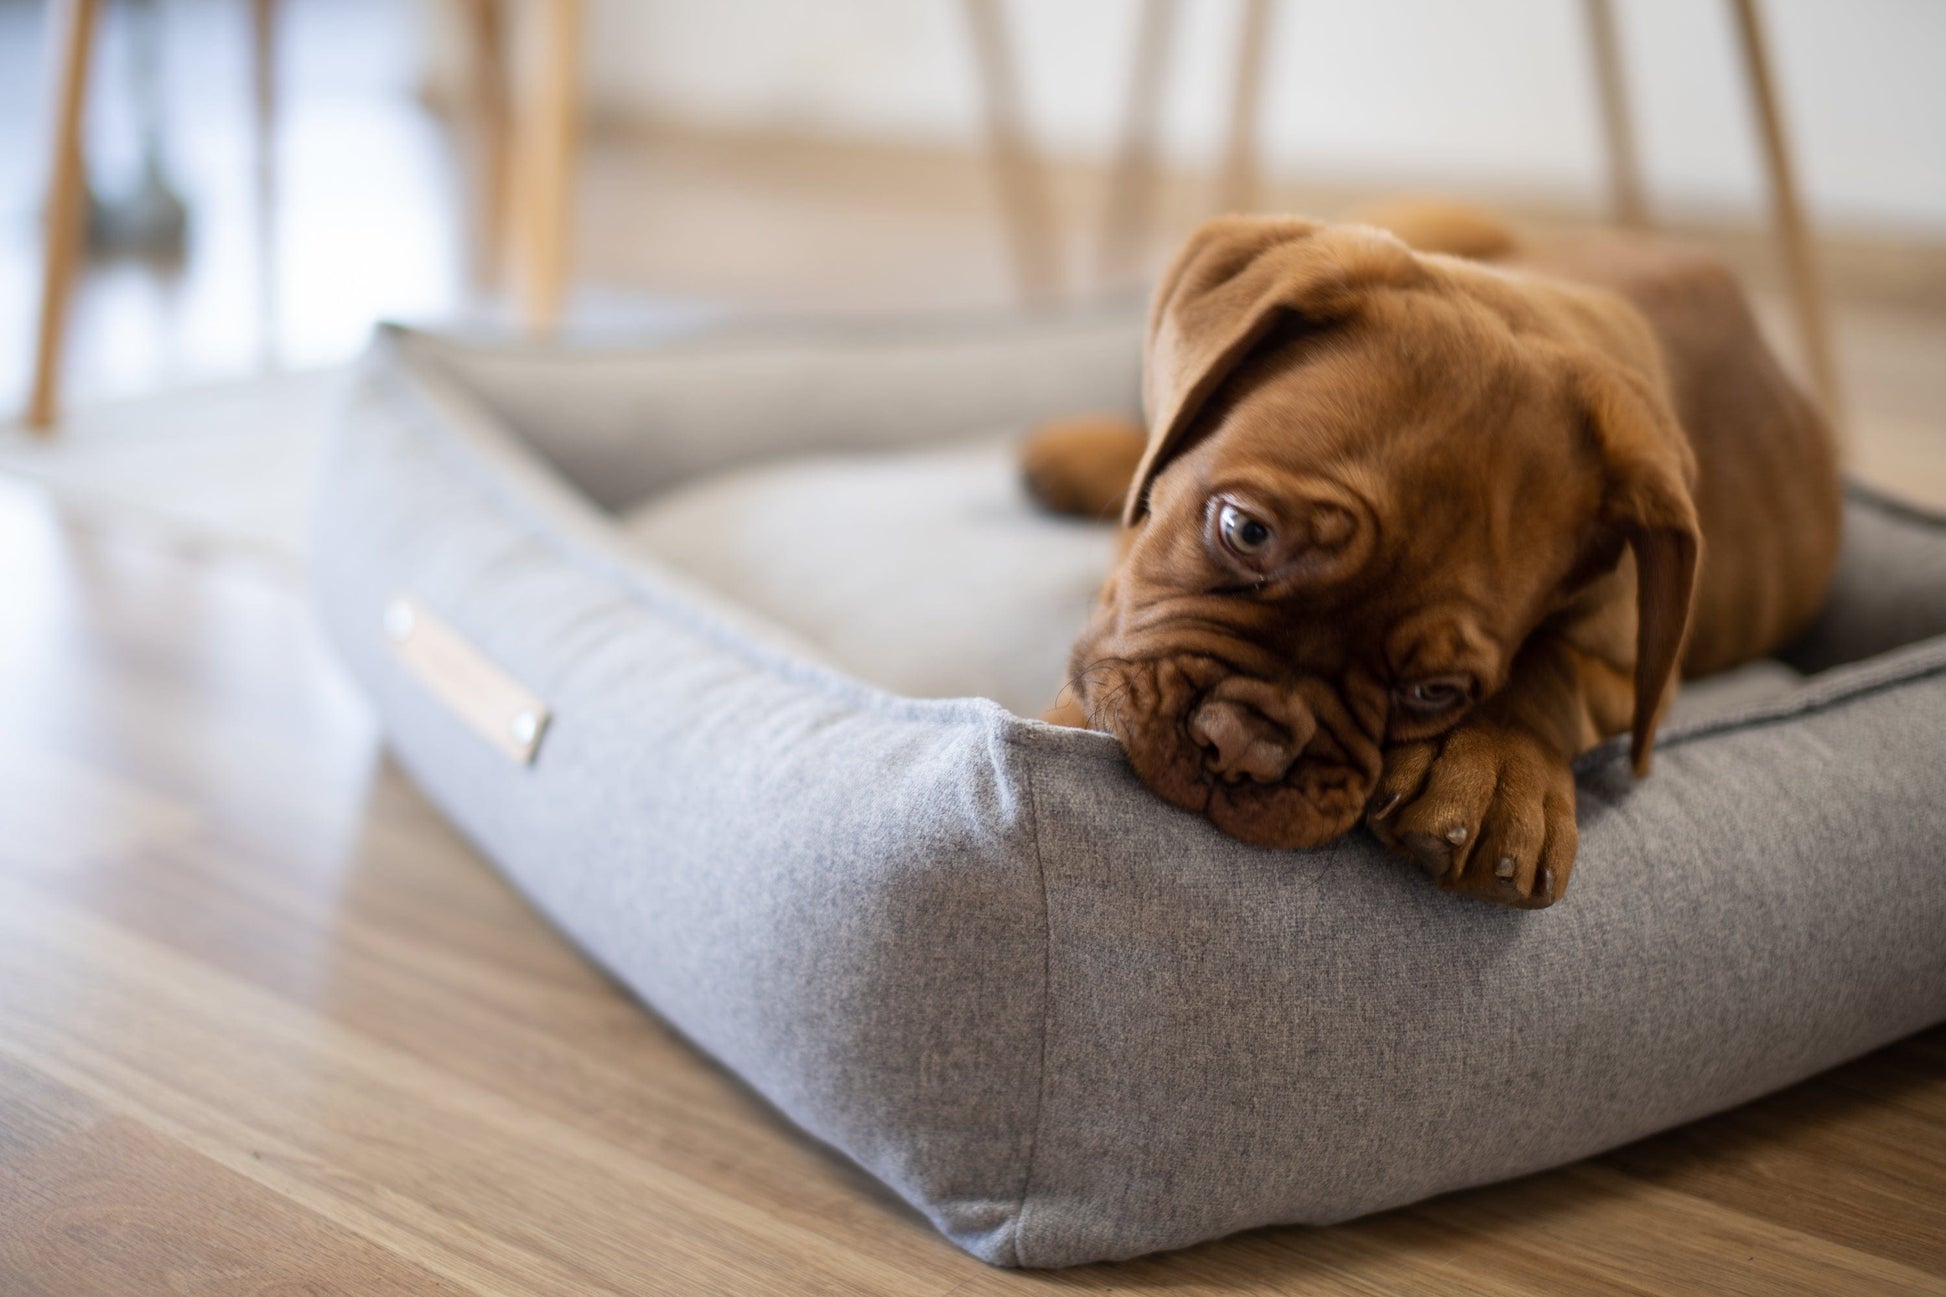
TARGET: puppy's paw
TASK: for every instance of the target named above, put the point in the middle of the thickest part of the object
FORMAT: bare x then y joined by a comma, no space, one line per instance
1487,810
1082,466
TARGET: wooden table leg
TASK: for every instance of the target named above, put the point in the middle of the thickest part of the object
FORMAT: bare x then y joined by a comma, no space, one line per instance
1016,171
548,141
1129,202
486,26
263,85
263,82
1237,184
1787,212
1618,133
66,199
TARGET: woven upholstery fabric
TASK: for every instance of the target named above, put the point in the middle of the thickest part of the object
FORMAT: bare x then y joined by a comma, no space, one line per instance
1064,1020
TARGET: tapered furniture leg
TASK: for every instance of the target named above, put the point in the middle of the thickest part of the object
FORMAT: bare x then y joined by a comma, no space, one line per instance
74,30
1787,212
1129,203
263,95
1237,185
548,145
1625,198
486,31
263,80
1016,171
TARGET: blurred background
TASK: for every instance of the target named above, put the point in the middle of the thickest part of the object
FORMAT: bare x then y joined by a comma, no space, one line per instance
267,178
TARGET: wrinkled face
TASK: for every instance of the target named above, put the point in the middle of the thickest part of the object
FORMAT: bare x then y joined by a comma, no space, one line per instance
1366,522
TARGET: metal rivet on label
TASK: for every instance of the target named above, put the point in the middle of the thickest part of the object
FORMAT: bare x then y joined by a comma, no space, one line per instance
525,727
399,618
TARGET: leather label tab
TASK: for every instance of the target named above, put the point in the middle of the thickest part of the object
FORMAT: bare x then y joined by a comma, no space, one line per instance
490,702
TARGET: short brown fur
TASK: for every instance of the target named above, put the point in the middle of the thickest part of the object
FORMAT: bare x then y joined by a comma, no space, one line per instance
1504,499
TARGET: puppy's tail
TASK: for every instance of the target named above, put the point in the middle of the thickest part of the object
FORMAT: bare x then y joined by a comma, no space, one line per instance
1439,225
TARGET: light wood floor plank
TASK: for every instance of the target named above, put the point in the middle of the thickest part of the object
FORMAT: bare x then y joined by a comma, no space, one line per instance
1862,1170
404,1151
36,1110
118,1211
1587,1224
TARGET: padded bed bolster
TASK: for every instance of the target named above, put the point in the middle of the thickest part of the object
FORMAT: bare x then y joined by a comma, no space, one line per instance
871,960
973,953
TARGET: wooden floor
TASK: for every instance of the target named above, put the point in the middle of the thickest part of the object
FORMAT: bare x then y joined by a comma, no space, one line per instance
266,1024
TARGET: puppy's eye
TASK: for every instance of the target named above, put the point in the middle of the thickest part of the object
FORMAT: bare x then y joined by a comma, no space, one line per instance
1431,697
1244,535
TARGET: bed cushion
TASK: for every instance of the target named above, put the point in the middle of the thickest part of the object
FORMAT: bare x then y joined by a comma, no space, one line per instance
1064,1020
926,572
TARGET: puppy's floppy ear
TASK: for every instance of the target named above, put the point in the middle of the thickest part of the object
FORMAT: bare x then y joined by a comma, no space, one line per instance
1650,470
1234,279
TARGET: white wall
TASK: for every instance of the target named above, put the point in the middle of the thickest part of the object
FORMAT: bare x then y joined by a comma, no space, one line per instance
1480,94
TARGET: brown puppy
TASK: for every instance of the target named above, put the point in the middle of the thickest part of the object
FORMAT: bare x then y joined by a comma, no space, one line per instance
1408,531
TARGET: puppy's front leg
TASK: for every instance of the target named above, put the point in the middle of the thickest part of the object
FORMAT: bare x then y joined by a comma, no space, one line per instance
1487,808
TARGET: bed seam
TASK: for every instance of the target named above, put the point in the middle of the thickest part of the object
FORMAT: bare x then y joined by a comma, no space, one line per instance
1613,751
1036,1126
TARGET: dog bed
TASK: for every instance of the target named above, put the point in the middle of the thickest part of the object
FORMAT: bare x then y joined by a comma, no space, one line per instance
691,639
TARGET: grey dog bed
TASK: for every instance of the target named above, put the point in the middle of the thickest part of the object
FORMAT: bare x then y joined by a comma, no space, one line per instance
1064,1020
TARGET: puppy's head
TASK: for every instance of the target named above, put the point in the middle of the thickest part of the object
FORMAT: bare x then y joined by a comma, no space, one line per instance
1371,475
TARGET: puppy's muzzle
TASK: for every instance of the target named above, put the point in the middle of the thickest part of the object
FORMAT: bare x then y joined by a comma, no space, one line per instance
1280,764
1241,742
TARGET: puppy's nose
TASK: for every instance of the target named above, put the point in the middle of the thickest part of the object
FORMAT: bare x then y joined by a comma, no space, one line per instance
1239,742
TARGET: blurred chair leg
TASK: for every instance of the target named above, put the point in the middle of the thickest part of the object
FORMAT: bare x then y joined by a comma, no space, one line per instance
1236,186
1130,199
1624,170
1800,253
74,25
263,80
486,25
486,28
1016,171
548,140
263,84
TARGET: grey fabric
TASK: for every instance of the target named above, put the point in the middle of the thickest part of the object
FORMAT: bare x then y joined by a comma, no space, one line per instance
926,572
1064,1020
